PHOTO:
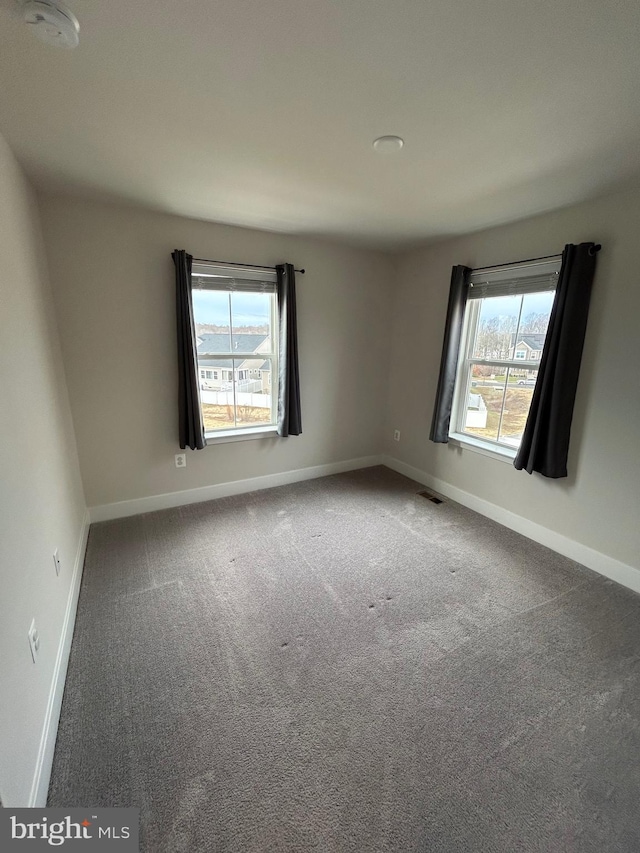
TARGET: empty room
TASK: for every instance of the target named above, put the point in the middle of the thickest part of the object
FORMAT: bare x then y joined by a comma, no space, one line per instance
320,406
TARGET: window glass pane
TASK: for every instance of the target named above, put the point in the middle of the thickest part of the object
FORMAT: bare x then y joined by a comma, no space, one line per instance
251,321
517,402
240,397
212,312
253,393
235,342
536,310
534,321
497,326
216,396
484,403
509,331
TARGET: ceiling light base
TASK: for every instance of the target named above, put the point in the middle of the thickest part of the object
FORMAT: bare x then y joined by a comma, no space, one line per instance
52,23
388,144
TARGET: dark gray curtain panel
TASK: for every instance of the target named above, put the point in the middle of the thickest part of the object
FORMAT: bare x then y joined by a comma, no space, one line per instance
190,425
289,413
450,348
545,441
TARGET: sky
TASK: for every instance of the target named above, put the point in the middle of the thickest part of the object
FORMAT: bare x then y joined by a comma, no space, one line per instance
252,309
509,306
248,309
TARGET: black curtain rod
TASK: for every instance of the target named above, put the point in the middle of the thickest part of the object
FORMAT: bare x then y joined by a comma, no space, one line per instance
596,248
235,264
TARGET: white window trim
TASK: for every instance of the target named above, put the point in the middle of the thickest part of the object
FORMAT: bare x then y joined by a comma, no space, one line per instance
220,436
211,272
481,446
457,436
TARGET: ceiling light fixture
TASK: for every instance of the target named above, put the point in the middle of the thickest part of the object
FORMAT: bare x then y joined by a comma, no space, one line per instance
52,23
388,144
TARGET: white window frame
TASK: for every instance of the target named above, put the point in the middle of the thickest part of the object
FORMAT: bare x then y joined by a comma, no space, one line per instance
223,278
497,281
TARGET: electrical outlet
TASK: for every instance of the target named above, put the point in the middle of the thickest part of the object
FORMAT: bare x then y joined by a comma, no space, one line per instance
396,435
34,640
181,460
56,561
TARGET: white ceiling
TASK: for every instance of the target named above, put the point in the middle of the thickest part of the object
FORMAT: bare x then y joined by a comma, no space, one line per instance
263,113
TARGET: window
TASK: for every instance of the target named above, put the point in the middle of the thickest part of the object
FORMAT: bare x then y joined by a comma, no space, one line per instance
235,315
506,315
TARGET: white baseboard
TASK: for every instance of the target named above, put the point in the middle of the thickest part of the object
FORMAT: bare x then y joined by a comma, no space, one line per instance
123,509
40,784
611,568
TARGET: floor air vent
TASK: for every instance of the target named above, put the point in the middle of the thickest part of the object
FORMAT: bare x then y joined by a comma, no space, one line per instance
430,497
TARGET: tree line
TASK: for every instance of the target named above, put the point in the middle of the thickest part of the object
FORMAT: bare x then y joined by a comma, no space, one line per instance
495,336
213,329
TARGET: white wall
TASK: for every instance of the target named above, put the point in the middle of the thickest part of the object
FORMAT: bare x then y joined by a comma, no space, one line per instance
597,505
113,282
41,499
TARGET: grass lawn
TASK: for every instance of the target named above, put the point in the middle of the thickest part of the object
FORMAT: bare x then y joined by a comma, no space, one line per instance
512,380
221,417
516,409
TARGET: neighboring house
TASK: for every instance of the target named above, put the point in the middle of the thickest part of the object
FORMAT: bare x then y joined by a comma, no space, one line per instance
527,347
218,374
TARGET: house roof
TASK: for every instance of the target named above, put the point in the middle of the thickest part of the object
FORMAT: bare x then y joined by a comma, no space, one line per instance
476,127
214,362
247,364
534,340
212,342
219,343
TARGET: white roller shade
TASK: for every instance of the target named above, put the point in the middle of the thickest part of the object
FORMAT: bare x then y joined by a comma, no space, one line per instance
205,277
514,281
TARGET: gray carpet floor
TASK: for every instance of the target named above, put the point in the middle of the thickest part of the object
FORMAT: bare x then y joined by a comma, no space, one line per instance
341,665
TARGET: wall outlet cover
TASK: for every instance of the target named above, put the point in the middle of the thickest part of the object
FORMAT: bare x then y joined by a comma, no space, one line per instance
34,640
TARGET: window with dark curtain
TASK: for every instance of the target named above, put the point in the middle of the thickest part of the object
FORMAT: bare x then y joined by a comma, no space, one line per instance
190,424
191,429
289,407
544,444
458,292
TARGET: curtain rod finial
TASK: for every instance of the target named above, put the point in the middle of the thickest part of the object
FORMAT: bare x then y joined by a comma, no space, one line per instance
595,249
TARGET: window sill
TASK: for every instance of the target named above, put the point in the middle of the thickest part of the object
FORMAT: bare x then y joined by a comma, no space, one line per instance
466,442
228,435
